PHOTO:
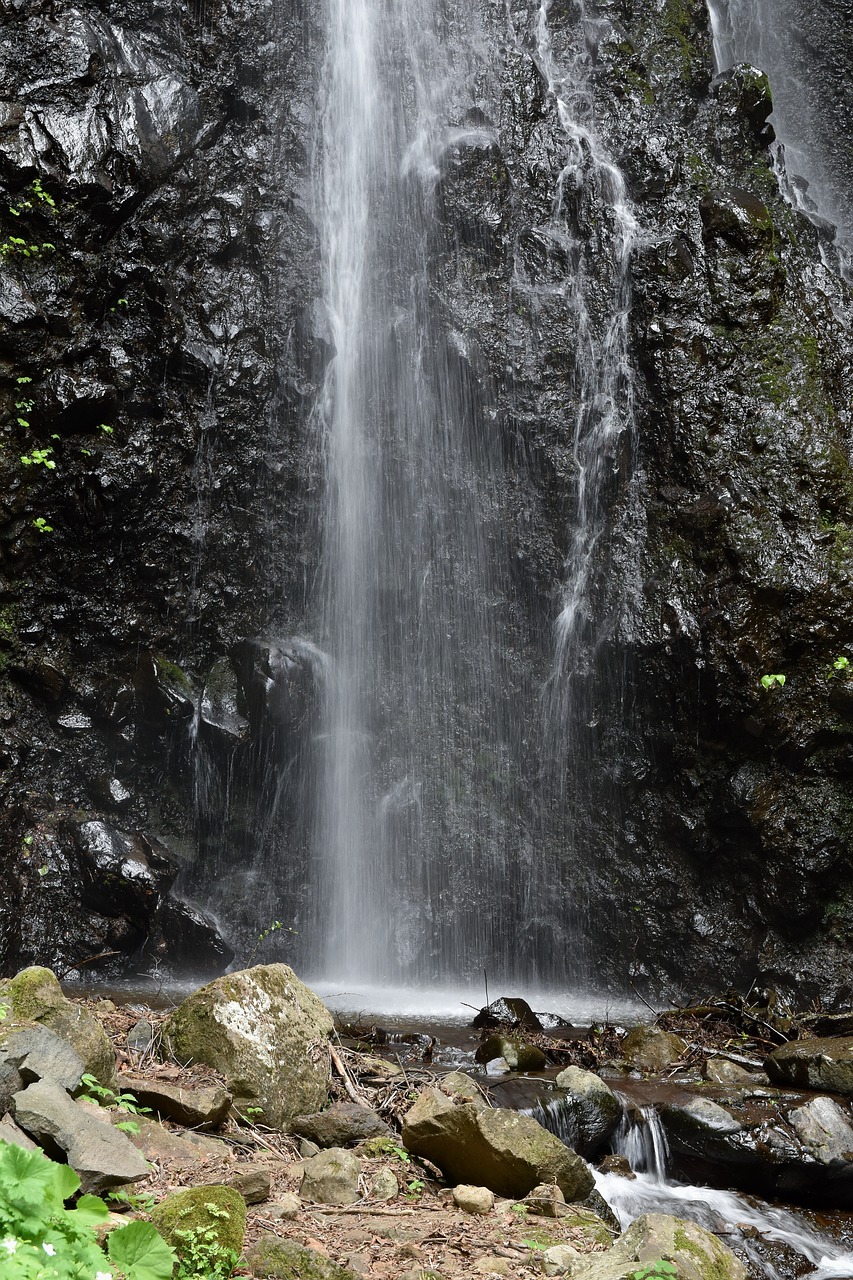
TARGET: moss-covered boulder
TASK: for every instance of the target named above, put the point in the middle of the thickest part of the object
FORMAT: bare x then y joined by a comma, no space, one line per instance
690,1249
206,1222
651,1048
268,1035
817,1063
35,995
592,1108
503,1150
275,1259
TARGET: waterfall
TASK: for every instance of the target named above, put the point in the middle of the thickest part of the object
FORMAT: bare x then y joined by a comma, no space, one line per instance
431,732
806,56
419,738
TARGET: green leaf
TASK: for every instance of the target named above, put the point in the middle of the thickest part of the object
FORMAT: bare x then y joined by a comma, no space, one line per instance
65,1182
141,1252
90,1211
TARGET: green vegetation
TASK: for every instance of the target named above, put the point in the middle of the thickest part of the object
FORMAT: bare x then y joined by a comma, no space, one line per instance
660,1270
105,1097
769,682
42,1240
39,458
206,1226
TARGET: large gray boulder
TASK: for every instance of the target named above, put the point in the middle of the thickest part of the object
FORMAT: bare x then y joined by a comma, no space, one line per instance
34,1053
651,1048
503,1150
267,1033
36,996
693,1252
593,1109
103,1156
825,1063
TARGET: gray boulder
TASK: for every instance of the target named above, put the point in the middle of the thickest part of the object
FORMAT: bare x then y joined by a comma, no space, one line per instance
103,1156
196,1108
36,996
34,1053
695,1253
343,1124
331,1177
503,1150
825,1064
268,1035
652,1049
518,1054
9,1132
824,1129
593,1109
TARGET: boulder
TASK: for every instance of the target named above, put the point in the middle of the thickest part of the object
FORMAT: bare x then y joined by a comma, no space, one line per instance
104,1157
196,1108
503,1150
287,1206
215,1210
592,1108
266,1032
546,1200
695,1253
823,1128
820,1063
476,1200
36,996
458,1084
140,1037
331,1177
517,1054
285,1260
252,1181
343,1124
651,1049
34,1053
186,1150
721,1071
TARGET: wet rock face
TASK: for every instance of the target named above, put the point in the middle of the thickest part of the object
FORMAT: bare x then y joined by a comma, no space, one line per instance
162,345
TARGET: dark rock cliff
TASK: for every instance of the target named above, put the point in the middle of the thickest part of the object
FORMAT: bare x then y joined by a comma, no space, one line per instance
160,344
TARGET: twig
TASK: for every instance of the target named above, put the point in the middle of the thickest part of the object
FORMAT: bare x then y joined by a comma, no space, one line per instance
345,1076
366,1211
642,997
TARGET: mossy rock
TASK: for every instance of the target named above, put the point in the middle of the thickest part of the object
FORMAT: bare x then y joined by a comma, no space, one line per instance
268,1035
692,1252
275,1259
595,1229
208,1218
36,996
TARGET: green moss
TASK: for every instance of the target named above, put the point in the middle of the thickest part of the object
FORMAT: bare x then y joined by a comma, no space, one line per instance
215,1216
35,994
275,1259
676,22
594,1228
374,1148
172,676
709,1268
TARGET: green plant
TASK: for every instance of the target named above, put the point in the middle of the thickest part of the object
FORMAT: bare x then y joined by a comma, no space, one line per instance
414,1189
201,1251
41,524
106,1097
840,665
17,245
659,1270
106,428
142,1202
767,682
42,1240
38,458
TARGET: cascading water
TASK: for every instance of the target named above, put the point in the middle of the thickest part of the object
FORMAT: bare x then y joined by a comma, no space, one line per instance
419,731
805,51
642,1140
427,717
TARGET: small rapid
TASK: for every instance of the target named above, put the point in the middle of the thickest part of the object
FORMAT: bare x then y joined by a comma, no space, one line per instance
742,1223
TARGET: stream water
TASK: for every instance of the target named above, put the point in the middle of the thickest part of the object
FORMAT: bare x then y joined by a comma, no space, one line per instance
750,1226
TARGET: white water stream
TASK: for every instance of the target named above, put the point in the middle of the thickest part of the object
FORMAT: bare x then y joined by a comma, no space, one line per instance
723,1212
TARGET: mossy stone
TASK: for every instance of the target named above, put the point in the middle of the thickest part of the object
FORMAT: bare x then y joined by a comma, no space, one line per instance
268,1035
36,996
275,1259
216,1209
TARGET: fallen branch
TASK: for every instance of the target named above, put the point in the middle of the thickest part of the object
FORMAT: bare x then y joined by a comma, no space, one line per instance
366,1212
353,1093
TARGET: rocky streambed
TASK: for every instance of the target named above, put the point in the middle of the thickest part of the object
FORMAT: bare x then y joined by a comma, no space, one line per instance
324,1155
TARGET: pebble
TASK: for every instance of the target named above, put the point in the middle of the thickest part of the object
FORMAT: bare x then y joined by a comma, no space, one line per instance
473,1199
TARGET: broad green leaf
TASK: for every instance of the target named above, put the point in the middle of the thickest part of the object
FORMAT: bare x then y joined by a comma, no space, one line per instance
91,1210
141,1252
65,1182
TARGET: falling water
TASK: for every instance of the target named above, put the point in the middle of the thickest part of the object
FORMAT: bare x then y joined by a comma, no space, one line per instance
414,820
642,1140
805,51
